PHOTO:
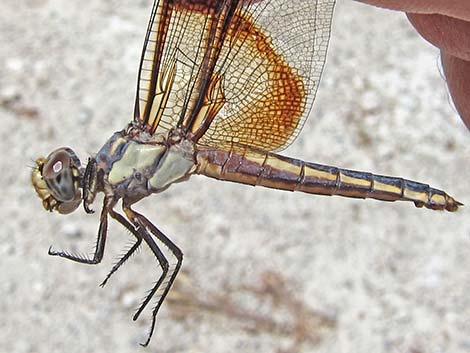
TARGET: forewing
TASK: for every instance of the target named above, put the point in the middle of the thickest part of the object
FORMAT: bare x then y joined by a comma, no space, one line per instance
174,48
179,49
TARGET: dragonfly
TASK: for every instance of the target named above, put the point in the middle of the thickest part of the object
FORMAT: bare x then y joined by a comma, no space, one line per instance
223,87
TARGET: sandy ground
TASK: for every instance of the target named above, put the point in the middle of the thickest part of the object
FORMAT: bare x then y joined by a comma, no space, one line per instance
264,270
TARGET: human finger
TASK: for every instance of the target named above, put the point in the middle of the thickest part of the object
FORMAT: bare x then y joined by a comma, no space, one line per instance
457,72
453,8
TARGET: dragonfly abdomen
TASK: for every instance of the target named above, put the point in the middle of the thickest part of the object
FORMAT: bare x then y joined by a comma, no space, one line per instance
253,167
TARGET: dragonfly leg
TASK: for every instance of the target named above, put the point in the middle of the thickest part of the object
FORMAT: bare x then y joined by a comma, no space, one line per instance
118,217
89,185
100,241
143,233
146,224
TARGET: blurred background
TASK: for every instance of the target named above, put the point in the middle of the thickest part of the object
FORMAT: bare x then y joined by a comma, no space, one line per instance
264,270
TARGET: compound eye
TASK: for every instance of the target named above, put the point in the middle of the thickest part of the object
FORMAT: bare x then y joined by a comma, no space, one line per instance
60,172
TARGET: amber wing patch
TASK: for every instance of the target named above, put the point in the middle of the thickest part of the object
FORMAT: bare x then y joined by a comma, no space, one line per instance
265,97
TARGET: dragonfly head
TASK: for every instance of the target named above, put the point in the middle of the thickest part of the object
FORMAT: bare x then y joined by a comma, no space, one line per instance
56,180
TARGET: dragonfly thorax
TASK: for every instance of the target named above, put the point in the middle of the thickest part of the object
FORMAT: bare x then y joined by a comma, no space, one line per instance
135,166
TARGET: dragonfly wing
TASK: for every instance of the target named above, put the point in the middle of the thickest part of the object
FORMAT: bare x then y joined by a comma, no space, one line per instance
155,72
271,70
181,47
243,72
